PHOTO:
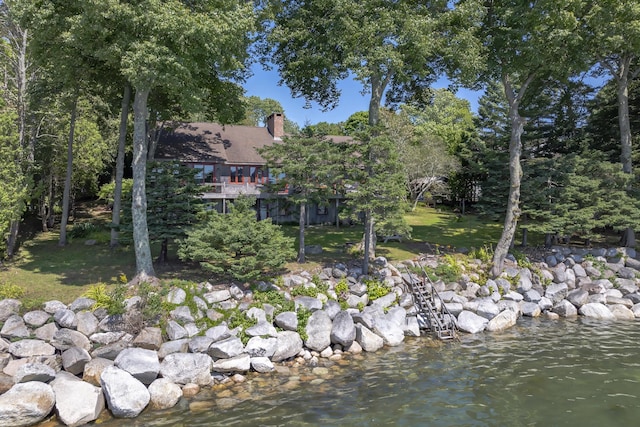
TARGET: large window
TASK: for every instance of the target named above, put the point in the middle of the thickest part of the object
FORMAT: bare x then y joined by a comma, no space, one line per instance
247,174
237,174
205,173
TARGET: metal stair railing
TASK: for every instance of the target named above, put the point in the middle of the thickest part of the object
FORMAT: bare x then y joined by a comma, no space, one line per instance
426,303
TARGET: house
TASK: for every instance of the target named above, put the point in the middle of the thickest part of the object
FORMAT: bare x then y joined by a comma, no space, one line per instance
229,165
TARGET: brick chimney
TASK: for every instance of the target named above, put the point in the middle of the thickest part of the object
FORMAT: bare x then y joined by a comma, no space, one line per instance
275,125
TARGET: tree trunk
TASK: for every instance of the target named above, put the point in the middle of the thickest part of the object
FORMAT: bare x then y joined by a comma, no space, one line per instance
144,263
369,241
525,234
303,213
623,115
164,250
67,180
12,239
628,238
117,192
515,173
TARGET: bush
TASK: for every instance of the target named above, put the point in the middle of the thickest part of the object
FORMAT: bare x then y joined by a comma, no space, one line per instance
237,245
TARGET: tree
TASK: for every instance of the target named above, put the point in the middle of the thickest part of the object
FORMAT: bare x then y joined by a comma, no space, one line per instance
318,43
236,245
173,204
524,42
190,51
307,165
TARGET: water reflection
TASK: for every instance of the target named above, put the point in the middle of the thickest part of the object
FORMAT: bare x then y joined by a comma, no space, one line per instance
562,373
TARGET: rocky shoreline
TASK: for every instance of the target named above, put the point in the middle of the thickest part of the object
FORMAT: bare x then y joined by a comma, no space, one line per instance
77,362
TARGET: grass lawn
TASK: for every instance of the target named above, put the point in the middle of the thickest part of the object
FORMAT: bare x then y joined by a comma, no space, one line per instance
46,271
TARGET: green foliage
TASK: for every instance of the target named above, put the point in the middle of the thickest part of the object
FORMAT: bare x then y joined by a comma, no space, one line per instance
303,318
448,270
112,300
522,259
484,253
274,298
237,245
107,190
9,290
375,289
82,229
237,319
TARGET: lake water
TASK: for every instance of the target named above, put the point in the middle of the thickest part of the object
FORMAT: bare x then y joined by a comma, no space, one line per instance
539,373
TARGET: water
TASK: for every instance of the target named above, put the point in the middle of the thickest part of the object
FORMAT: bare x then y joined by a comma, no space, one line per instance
547,373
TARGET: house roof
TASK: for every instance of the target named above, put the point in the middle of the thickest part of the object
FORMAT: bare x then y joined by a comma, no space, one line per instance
212,142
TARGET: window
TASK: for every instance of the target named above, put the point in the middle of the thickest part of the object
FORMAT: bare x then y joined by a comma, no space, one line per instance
237,174
205,173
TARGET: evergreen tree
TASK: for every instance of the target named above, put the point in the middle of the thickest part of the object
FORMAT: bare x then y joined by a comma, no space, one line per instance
236,245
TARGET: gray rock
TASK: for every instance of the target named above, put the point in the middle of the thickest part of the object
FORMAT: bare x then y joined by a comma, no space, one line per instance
77,402
368,340
257,314
531,309
74,360
217,296
66,318
236,292
287,320
261,364
227,348
386,300
454,308
176,296
559,273
261,347
141,363
149,338
397,315
471,322
64,339
8,308
632,262
487,309
318,331
531,296
612,300
579,271
36,318
310,303
596,311
105,338
94,368
175,331
199,344
34,372
578,297
509,305
46,332
627,273
524,282
26,404
262,329
411,327
392,334
218,333
502,321
239,363
622,312
29,348
52,306
597,298
170,347
185,368
343,330
82,303
164,394
289,344
332,308
87,323
126,397
14,327
556,292
565,309
182,314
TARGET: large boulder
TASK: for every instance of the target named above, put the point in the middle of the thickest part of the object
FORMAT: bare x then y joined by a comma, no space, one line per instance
565,309
502,321
149,338
9,307
126,397
622,312
471,322
368,340
34,372
29,348
74,360
14,328
289,344
596,311
65,338
143,364
240,363
26,404
164,394
391,332
184,368
531,309
578,297
77,402
318,331
87,323
261,347
343,330
556,292
225,349
287,320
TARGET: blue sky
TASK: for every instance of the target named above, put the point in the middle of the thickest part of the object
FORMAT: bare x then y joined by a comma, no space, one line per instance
264,84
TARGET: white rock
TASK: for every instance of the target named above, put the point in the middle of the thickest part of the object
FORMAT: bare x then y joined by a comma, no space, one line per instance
143,364
26,404
471,322
77,402
596,311
184,368
164,393
126,397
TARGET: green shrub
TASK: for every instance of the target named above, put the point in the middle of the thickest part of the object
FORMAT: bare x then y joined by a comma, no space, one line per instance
376,289
82,230
9,290
113,301
303,318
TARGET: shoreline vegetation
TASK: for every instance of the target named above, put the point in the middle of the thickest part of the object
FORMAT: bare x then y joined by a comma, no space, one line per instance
163,343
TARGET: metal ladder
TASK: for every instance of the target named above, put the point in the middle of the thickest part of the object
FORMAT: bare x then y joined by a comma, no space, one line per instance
439,322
